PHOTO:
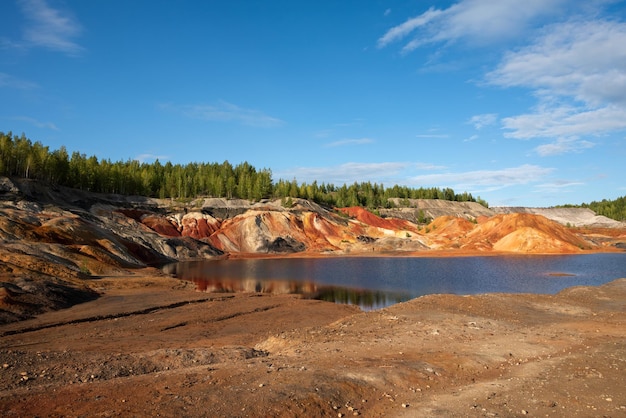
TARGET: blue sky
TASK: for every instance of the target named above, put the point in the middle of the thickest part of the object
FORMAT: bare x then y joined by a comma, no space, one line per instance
520,102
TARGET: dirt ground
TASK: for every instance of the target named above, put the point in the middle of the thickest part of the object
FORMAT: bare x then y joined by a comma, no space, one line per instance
153,346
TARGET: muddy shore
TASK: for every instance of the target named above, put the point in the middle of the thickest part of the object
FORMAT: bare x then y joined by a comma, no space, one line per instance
153,346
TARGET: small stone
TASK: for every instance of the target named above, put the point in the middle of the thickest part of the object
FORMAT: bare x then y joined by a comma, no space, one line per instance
405,405
5,366
609,399
340,415
524,412
261,385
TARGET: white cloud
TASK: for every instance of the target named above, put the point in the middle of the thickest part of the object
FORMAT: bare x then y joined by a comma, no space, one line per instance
554,121
50,28
37,123
429,166
226,112
347,173
584,60
151,157
563,146
481,21
402,30
480,121
557,186
359,141
7,80
490,179
578,73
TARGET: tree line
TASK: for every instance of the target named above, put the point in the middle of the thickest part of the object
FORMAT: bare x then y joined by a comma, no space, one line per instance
614,209
21,157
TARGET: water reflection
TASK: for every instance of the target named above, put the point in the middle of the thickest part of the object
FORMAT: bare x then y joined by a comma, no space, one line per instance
376,282
242,280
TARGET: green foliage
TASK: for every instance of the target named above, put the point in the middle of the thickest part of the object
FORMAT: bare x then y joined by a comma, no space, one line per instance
20,157
614,209
482,202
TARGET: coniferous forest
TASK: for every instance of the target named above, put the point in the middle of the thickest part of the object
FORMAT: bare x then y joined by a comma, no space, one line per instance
21,157
614,209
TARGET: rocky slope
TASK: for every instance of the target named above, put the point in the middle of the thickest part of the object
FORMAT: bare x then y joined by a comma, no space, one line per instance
55,240
578,217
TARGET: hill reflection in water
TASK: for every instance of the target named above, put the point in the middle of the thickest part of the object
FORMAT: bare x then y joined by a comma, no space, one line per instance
204,281
376,282
365,299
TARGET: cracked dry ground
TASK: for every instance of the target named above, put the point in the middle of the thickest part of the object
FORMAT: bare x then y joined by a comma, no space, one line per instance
150,347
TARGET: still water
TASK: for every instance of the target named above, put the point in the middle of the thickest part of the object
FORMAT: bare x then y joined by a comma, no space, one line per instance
377,282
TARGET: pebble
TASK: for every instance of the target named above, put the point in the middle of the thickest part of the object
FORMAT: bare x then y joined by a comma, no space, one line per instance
405,405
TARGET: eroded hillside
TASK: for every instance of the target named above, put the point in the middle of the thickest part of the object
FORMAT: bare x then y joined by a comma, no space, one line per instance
55,241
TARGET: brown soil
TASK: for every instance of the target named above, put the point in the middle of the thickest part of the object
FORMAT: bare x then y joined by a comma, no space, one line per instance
153,346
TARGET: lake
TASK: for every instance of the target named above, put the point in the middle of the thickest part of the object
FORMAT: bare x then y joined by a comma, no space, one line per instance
376,282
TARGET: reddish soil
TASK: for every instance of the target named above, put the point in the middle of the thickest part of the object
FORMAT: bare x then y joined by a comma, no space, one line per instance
152,346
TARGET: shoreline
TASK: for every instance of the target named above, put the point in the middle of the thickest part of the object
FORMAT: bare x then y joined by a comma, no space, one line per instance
151,345
399,254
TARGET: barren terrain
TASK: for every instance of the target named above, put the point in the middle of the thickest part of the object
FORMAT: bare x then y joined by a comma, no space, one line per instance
88,328
151,346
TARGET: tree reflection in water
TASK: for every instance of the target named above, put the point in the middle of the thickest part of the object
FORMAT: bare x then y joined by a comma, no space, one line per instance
365,299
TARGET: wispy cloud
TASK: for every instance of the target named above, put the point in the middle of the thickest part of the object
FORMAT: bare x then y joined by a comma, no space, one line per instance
478,21
402,30
557,186
480,121
9,81
429,166
37,123
563,146
580,59
486,179
343,142
50,28
151,157
562,120
347,173
226,112
578,72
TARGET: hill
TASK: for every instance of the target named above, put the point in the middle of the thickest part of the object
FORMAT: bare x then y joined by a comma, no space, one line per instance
55,238
140,343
